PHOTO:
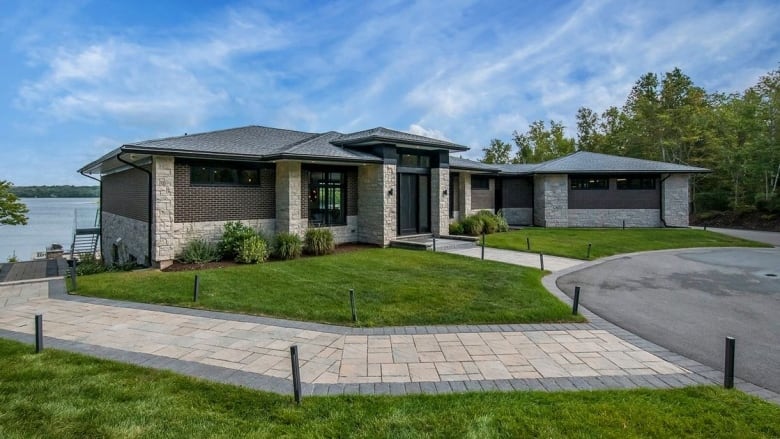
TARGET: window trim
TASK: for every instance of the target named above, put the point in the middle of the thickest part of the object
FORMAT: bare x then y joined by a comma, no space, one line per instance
586,178
344,195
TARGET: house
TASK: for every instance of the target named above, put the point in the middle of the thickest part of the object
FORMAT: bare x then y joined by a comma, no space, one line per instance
370,186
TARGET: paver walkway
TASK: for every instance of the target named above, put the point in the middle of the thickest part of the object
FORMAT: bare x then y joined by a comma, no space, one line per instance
254,351
551,263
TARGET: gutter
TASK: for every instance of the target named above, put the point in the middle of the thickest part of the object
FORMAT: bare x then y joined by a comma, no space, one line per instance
149,195
661,211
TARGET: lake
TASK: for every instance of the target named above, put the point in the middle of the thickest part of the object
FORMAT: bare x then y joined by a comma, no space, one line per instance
51,220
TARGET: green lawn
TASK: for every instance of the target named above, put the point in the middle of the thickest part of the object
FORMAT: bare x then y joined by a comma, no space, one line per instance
393,287
573,243
65,395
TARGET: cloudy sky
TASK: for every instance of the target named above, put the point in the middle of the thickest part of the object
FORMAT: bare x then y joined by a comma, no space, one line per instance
79,78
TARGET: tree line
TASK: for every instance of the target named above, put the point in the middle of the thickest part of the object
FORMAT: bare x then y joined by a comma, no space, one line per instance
65,191
670,119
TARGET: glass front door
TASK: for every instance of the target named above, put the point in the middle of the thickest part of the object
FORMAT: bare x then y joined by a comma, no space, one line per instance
414,207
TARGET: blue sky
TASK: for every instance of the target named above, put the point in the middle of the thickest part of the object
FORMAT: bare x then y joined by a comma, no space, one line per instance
80,78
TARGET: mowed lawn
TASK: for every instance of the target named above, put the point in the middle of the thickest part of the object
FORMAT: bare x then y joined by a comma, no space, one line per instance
57,394
392,287
573,243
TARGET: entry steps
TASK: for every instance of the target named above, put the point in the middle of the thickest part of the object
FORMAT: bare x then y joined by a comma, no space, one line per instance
425,242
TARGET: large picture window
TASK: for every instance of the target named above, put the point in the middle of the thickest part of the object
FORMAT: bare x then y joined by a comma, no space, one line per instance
480,182
589,183
327,198
224,175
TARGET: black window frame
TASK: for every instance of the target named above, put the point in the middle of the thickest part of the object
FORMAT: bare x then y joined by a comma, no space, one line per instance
213,169
315,189
629,183
480,178
589,183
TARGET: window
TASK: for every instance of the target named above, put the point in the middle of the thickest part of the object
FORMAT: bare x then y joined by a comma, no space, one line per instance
414,161
631,183
224,175
480,182
327,198
589,183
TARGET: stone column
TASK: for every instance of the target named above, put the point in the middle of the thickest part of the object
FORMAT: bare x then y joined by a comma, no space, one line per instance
675,196
464,183
551,200
163,241
376,205
440,202
288,198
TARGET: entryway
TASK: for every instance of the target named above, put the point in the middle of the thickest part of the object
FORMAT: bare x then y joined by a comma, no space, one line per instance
414,204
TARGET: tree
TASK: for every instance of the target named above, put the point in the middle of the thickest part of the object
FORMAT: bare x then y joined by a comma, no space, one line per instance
497,152
539,144
12,211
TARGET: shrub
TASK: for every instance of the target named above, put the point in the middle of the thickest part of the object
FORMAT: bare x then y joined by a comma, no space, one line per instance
503,225
233,236
88,264
319,242
252,250
456,228
489,221
288,246
199,251
472,225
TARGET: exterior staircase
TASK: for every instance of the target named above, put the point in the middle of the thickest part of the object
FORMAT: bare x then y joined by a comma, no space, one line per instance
86,240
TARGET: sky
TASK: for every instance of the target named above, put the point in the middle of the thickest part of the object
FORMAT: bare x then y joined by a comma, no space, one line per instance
80,78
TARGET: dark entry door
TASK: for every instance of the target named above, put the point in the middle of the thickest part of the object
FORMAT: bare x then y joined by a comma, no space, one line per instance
413,204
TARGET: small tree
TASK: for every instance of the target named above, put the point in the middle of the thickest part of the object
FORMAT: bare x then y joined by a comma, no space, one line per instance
12,211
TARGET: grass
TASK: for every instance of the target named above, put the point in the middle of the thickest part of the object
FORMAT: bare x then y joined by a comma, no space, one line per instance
393,287
66,395
573,243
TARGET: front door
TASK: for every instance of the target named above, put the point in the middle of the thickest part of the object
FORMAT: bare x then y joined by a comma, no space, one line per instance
414,205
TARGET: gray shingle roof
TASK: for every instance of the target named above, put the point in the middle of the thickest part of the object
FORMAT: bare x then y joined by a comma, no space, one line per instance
381,134
471,165
584,162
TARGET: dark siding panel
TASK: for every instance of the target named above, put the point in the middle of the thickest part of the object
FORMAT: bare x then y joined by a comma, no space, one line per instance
223,203
126,193
614,198
517,192
484,198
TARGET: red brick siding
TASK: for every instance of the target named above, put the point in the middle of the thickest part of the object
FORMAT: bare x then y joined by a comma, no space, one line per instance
194,203
126,193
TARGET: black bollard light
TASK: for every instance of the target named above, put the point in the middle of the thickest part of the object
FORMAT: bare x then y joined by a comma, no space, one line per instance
196,289
38,333
589,246
483,245
528,243
541,261
296,374
728,373
352,304
434,244
576,304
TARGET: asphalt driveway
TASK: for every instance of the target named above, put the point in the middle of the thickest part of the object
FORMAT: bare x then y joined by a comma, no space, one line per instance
689,300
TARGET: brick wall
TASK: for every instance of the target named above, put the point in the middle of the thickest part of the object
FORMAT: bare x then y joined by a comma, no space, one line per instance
126,194
195,203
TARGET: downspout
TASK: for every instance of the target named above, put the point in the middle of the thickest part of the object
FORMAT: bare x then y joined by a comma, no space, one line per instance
149,196
663,220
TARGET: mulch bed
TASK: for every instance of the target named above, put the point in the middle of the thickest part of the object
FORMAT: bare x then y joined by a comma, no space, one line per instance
180,266
739,220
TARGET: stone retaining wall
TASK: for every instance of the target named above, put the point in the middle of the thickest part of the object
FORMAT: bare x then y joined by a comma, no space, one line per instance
614,217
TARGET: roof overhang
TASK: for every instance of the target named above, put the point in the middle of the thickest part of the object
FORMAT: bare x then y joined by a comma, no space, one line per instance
379,140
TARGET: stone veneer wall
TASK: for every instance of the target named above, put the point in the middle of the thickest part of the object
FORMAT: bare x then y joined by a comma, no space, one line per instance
134,238
348,233
163,211
551,200
675,200
614,217
288,198
376,207
518,216
440,203
211,231
464,194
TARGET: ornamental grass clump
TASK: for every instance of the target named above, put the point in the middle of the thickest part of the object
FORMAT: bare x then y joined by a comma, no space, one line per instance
252,250
319,242
288,246
200,251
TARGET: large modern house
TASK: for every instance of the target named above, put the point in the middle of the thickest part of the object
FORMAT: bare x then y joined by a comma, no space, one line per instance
371,186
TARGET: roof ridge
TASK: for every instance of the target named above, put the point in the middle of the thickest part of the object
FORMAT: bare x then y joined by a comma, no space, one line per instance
224,130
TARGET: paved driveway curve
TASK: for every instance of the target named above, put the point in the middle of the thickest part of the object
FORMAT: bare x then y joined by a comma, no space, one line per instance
689,300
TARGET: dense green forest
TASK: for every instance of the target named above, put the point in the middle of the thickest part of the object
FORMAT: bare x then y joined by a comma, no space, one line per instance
671,119
56,191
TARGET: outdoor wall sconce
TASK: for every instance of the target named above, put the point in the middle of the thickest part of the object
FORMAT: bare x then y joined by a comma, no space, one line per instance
390,192
444,192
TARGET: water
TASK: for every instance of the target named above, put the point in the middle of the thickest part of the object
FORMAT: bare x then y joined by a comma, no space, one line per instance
50,220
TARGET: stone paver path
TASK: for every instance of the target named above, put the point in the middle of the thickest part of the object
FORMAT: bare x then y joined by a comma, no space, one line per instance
551,263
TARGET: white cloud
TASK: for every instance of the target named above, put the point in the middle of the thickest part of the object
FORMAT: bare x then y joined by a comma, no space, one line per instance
422,131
